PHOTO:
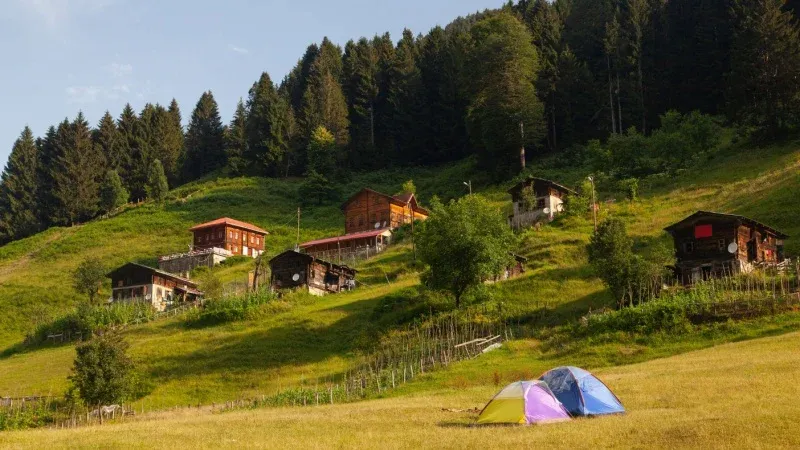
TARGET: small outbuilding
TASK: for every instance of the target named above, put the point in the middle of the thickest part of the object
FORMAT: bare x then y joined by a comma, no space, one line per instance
536,199
292,270
710,244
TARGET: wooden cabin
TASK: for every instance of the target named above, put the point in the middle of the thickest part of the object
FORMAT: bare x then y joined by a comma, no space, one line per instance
549,198
138,282
710,244
369,210
234,236
292,270
350,246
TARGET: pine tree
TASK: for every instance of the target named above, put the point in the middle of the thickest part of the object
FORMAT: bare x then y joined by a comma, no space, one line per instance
764,85
113,194
404,99
157,185
360,66
236,141
383,49
75,174
205,143
323,101
127,126
267,141
107,138
173,143
18,188
44,181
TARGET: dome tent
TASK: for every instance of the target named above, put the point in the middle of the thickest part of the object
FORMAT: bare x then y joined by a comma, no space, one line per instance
581,393
523,402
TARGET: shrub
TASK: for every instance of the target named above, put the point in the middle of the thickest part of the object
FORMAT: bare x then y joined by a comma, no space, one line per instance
102,371
630,186
233,309
86,319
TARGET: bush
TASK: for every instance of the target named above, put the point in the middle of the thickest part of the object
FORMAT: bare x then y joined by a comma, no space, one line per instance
102,372
86,319
630,186
233,309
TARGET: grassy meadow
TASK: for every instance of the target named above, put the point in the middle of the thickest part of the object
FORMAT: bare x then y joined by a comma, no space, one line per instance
729,396
303,341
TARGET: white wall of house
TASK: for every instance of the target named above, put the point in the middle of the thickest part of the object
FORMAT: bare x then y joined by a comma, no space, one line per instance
524,218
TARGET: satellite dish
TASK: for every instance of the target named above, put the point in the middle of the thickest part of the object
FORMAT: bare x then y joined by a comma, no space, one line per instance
296,277
377,225
547,210
733,247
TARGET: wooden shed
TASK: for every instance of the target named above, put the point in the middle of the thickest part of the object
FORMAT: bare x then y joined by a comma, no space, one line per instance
711,244
368,210
291,270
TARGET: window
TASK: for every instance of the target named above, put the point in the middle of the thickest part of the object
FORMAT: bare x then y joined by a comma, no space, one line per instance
352,222
688,246
721,245
361,221
540,203
376,200
236,235
230,234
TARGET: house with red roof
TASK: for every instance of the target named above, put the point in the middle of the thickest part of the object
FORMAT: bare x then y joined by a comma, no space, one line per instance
369,218
235,236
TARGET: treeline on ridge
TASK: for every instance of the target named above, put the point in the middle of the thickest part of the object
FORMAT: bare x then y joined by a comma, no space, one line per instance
535,74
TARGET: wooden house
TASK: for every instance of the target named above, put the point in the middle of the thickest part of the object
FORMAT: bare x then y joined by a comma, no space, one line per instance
292,270
234,236
710,244
548,200
369,210
138,282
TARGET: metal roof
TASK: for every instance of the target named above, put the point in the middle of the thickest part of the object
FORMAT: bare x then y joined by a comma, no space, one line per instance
542,180
231,222
743,219
347,237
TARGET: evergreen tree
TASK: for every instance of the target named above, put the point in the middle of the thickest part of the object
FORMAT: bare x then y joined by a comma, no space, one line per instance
18,201
505,103
113,194
44,181
236,141
127,126
205,146
75,174
323,101
173,154
157,185
107,138
443,123
404,99
383,49
267,140
360,67
764,85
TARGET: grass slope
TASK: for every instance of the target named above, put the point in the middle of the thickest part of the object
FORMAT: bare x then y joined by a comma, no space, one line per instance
730,396
320,338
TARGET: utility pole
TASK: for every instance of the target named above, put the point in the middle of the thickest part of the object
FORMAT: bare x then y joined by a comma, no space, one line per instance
297,242
594,205
413,239
522,141
469,185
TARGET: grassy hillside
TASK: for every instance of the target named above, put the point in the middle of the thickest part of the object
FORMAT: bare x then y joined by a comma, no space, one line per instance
729,396
305,340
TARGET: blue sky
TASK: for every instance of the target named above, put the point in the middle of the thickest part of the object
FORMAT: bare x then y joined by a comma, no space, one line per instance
61,56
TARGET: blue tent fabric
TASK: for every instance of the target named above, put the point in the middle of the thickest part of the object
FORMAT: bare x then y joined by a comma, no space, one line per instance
581,393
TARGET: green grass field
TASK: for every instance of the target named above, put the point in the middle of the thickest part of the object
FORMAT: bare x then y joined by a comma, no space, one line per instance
304,341
730,396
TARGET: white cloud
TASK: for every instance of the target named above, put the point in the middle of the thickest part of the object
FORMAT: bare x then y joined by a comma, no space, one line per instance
119,70
239,50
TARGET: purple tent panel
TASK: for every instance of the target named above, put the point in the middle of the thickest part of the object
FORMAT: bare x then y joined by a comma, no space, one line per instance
540,404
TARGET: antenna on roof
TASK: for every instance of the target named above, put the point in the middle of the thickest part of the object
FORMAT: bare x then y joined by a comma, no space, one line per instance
297,242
